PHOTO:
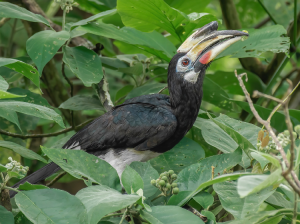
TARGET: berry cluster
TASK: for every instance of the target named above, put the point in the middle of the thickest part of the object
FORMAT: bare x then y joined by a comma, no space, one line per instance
165,183
15,169
66,4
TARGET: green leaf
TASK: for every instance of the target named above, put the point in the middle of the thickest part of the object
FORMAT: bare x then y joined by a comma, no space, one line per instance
188,6
93,168
131,180
28,187
82,102
254,183
185,153
6,95
264,159
9,10
218,179
25,69
170,214
6,217
65,208
3,84
2,168
33,110
194,175
209,215
243,142
230,84
153,42
102,200
177,198
152,88
123,92
279,199
26,153
147,173
204,199
42,46
240,207
269,38
84,63
10,116
92,18
113,63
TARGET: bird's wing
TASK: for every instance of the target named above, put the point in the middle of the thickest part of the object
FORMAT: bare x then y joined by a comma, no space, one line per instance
135,125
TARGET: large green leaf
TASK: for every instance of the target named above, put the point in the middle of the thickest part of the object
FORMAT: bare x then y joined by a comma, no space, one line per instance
194,175
204,199
6,95
279,199
42,46
3,84
230,84
9,10
102,200
188,6
10,116
131,180
145,90
153,42
28,187
93,168
254,183
82,102
6,217
147,173
51,206
32,109
84,63
185,153
261,40
96,6
25,69
26,153
170,214
240,207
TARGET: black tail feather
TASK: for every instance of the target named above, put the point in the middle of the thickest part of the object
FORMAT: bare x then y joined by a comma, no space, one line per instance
37,176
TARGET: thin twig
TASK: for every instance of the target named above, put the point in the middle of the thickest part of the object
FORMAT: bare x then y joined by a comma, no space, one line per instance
56,179
44,135
124,215
296,184
262,23
3,21
160,91
267,11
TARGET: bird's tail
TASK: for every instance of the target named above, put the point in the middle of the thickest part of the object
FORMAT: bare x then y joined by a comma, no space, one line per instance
37,176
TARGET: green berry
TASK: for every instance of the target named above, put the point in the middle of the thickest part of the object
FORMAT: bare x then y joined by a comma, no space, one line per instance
162,183
171,172
153,182
294,135
168,186
286,133
164,178
174,185
297,129
175,190
163,174
174,176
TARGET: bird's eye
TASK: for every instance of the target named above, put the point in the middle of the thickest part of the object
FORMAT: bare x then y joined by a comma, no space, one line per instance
185,62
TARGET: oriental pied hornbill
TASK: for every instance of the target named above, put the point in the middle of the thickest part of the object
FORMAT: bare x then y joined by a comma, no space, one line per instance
146,126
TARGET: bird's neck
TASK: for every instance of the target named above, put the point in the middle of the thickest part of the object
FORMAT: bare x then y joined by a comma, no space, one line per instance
185,100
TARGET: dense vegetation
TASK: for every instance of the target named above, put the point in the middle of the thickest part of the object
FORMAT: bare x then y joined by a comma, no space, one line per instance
63,63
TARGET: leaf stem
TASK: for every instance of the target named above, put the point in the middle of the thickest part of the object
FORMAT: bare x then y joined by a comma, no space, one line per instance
64,18
158,196
124,215
267,11
10,188
110,215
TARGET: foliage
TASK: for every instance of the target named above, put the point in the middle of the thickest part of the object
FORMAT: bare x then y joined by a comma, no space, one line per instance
224,169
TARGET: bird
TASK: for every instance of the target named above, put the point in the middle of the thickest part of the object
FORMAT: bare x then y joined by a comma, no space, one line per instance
146,126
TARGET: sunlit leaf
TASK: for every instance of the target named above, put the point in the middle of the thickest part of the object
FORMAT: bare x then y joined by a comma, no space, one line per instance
6,217
131,180
82,102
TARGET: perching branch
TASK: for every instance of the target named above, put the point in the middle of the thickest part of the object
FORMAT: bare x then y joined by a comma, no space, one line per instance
45,135
295,184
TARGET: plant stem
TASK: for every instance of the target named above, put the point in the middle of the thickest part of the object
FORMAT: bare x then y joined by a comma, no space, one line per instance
11,189
267,11
2,177
160,195
56,179
64,18
114,214
124,215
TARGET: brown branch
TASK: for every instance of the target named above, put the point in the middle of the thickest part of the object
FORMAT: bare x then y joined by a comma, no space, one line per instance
296,184
262,23
5,199
44,135
160,91
232,22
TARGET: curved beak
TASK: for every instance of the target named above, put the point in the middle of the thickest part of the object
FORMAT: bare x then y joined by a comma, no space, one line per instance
206,44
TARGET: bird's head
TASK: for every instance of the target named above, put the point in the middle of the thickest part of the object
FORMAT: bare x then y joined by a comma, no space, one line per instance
199,50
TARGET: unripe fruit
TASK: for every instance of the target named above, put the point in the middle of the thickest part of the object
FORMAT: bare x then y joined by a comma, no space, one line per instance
162,174
260,135
171,172
286,133
174,176
153,182
164,178
174,185
175,190
297,129
168,186
162,183
294,135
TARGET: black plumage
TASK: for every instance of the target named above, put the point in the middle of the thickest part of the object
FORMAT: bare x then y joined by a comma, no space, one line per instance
145,126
